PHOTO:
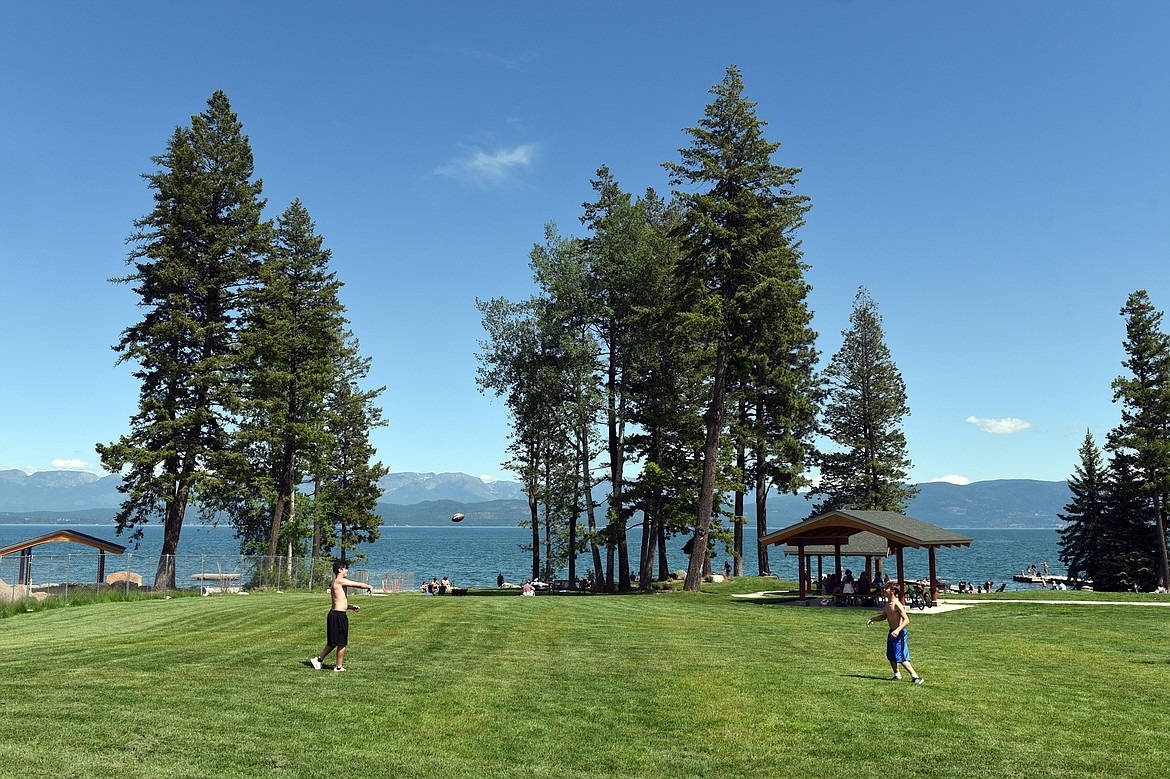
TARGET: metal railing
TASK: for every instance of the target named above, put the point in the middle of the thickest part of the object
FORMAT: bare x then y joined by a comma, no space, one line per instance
34,576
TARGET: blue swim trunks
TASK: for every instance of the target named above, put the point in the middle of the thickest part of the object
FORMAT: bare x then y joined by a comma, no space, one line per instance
896,649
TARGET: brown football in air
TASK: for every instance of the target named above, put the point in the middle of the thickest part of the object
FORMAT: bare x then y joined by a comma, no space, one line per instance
457,518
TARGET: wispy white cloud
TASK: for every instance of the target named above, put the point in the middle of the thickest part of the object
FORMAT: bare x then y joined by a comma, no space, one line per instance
70,465
952,479
518,62
1004,426
493,168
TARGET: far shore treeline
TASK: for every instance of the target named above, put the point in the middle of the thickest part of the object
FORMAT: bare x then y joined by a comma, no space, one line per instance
1002,503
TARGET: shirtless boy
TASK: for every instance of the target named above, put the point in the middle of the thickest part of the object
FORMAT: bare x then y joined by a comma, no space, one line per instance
337,623
897,650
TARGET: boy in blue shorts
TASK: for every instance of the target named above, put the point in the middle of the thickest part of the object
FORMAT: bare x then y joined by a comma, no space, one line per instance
897,649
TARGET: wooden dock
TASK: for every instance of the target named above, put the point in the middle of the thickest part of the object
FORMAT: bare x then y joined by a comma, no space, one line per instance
1044,581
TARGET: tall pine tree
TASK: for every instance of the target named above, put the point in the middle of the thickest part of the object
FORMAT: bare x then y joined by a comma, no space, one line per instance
1144,394
1087,514
863,418
194,254
736,237
291,342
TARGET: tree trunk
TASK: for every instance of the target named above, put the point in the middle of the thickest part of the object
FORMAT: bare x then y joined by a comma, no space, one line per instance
617,459
741,465
713,418
283,497
663,563
1160,524
609,550
316,551
534,522
649,545
164,578
591,514
573,545
765,567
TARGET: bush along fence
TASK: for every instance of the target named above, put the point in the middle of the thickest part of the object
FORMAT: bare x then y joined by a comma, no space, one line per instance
34,577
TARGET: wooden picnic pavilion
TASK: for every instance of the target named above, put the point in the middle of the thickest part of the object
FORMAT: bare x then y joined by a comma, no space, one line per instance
869,534
25,548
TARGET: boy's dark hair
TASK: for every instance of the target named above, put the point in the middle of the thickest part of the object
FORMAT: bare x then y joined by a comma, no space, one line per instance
338,565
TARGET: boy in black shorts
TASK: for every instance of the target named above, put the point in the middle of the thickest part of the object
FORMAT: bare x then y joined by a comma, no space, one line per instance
337,622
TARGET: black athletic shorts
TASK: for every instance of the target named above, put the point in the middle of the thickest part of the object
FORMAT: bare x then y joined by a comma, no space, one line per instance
337,628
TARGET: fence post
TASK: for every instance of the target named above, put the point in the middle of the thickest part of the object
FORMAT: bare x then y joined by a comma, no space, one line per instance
28,576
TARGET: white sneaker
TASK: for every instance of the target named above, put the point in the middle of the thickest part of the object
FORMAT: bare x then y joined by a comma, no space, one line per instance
338,668
917,680
897,677
315,662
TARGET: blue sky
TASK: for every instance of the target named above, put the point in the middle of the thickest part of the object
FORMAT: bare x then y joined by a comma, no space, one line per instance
995,173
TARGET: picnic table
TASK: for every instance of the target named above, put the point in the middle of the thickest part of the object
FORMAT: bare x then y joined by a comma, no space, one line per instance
226,582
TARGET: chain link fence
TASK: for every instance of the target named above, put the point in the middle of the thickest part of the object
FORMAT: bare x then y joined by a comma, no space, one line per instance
36,577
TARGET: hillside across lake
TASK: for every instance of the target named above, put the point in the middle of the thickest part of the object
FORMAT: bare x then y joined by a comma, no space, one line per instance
430,499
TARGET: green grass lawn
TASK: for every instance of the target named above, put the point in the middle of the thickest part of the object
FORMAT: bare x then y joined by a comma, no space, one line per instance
668,685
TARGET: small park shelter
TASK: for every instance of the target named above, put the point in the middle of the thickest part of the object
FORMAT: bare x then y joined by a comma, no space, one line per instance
864,533
25,548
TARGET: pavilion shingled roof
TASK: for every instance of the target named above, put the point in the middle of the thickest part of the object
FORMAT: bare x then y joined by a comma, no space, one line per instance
65,535
840,527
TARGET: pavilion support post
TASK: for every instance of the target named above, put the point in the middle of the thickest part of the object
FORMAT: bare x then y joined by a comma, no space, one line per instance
800,568
837,570
901,578
101,566
933,580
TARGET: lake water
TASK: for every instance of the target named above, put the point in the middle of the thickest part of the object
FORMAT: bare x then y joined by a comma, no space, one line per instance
473,556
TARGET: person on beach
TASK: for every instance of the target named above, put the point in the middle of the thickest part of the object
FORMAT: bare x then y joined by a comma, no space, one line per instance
337,621
897,646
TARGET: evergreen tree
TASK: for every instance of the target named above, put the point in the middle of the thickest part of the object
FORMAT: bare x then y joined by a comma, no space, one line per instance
1123,557
1086,514
736,238
664,388
1144,432
863,417
346,474
193,255
291,342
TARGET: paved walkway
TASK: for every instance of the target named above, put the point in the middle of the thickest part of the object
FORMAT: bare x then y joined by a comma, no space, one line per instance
944,604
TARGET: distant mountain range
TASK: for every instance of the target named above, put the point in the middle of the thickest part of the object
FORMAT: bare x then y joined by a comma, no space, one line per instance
432,498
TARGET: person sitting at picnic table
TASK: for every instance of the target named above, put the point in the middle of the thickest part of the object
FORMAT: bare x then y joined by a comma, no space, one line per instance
527,588
445,586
